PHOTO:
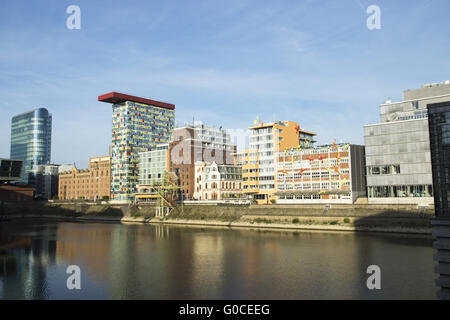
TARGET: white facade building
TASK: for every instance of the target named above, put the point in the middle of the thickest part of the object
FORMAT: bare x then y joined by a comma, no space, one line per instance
324,174
217,182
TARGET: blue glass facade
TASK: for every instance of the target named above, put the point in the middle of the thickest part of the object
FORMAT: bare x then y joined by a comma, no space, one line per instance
31,140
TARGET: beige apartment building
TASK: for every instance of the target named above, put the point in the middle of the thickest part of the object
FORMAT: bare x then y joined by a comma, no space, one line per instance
86,184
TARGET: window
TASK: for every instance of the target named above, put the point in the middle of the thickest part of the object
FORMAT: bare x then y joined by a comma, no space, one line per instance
416,191
387,169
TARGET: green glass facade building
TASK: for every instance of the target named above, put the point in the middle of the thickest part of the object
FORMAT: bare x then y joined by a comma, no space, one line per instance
31,134
153,165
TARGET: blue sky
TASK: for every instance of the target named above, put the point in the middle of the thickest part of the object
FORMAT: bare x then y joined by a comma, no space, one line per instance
222,62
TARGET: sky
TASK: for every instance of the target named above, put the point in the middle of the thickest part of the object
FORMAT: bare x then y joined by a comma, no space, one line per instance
220,62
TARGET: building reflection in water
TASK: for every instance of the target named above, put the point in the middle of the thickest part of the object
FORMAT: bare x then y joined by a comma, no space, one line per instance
23,263
176,262
207,264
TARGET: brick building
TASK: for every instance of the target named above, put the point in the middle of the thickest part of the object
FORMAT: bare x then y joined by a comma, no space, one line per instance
16,193
86,184
193,143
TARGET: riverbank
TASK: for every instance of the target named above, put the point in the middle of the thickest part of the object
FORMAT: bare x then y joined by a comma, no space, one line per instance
365,218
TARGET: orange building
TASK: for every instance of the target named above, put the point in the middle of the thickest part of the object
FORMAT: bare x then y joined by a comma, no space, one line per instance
86,184
259,161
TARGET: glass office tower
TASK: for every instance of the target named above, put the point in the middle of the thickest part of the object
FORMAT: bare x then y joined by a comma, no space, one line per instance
31,140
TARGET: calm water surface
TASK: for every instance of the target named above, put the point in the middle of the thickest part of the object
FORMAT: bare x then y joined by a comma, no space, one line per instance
170,262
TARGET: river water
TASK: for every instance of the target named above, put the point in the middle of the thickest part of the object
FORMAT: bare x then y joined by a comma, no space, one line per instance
120,261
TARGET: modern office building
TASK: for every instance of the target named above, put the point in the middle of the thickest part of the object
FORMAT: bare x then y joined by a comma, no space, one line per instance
47,179
138,125
162,191
325,174
398,160
153,164
439,125
154,176
31,134
259,161
86,184
217,182
197,142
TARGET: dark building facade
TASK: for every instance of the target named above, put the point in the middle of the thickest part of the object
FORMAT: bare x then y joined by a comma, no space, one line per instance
439,129
10,170
439,126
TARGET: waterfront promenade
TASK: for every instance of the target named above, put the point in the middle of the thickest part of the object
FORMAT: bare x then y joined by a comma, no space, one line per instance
364,217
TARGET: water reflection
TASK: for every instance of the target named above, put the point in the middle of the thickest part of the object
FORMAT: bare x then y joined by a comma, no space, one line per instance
173,262
24,260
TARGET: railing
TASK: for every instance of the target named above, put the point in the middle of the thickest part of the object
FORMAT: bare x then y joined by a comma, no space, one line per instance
215,202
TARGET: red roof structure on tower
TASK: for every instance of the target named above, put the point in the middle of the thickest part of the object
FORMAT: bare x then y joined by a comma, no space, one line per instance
116,97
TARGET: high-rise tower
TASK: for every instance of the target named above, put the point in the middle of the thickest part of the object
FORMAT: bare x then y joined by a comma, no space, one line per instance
138,125
31,134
